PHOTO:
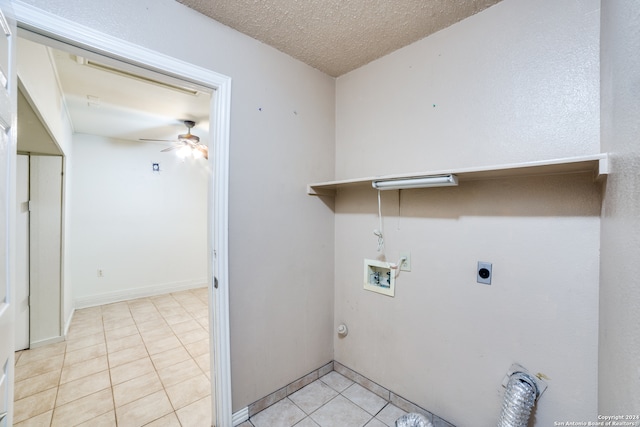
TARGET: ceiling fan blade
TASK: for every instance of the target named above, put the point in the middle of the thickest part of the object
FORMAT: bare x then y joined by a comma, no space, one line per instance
187,141
173,147
204,150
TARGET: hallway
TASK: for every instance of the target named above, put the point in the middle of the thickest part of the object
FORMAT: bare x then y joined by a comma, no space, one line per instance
143,362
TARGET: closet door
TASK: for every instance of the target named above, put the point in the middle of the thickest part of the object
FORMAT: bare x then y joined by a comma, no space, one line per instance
45,246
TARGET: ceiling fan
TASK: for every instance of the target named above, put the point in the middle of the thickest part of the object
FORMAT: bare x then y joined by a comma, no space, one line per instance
187,143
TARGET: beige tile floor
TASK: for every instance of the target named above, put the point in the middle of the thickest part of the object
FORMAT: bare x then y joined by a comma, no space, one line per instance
331,401
143,362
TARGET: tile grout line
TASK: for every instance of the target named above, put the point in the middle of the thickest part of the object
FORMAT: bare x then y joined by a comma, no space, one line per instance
55,400
106,347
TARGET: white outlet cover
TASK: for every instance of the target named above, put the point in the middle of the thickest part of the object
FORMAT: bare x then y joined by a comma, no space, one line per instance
406,265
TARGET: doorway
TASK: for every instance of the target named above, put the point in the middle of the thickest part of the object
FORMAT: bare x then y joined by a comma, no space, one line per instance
52,29
39,231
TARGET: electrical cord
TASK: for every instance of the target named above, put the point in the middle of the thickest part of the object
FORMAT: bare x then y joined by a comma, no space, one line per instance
378,232
398,264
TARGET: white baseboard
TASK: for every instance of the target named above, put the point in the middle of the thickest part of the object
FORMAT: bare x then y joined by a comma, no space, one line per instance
40,343
67,324
133,293
241,416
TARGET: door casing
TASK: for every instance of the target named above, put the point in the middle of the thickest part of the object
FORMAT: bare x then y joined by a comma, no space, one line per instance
8,208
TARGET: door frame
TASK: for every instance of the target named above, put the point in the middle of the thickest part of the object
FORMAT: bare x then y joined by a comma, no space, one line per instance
72,33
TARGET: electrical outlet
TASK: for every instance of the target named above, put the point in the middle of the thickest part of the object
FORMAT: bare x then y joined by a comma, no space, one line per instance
484,272
100,273
406,264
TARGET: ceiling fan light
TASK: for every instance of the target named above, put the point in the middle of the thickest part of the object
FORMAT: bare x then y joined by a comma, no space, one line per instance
188,145
197,154
183,152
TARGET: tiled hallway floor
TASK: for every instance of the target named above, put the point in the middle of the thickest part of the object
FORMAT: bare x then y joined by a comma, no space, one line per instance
331,401
143,362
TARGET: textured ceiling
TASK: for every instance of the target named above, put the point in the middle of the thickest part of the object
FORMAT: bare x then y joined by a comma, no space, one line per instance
337,36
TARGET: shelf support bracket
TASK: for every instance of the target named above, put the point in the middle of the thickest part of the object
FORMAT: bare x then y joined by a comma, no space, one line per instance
313,191
603,168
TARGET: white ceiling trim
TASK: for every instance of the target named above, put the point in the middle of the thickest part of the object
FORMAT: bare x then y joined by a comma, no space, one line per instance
65,105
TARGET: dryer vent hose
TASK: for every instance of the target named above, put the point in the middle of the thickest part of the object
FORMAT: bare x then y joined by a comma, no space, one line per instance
413,420
518,401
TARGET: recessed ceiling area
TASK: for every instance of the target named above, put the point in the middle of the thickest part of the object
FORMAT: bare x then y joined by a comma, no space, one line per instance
338,36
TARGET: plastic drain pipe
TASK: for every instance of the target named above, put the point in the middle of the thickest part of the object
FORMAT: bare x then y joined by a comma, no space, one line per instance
519,399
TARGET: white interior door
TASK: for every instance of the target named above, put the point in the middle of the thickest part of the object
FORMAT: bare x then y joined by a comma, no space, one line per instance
8,108
45,256
22,254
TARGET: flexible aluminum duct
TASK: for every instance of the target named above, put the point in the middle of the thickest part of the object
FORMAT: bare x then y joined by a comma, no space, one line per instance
413,420
518,401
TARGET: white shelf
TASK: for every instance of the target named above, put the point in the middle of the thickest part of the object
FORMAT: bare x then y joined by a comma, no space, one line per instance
598,164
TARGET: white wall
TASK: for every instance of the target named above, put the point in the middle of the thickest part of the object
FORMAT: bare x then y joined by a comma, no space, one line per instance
445,342
517,82
619,366
146,230
282,136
